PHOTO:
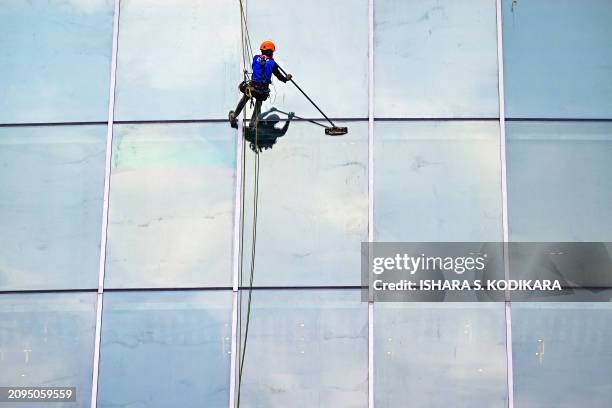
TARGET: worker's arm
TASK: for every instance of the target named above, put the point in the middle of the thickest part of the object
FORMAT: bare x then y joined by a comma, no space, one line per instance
279,75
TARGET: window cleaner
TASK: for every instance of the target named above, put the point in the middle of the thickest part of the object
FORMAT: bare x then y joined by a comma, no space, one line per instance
259,85
259,88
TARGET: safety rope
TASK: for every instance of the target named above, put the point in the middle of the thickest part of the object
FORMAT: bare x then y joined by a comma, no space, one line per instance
246,52
253,253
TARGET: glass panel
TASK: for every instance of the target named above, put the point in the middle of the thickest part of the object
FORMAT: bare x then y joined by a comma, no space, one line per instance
47,340
165,349
51,193
313,208
56,60
324,44
171,206
559,171
306,349
177,59
435,58
437,181
561,354
558,59
440,355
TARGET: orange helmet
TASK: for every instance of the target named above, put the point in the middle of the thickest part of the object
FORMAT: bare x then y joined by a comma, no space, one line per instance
267,45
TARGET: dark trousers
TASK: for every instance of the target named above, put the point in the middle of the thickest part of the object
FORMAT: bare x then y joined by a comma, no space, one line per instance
259,92
241,105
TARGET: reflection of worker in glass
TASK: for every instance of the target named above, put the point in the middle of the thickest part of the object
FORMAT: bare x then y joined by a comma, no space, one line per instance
259,85
264,134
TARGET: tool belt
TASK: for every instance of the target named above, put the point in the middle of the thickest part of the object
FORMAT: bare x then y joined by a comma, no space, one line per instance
253,89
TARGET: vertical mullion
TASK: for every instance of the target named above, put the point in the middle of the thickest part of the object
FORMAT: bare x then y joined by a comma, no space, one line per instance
236,262
504,196
103,237
370,192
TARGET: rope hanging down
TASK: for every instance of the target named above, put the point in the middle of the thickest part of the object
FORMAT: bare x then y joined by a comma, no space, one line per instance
246,52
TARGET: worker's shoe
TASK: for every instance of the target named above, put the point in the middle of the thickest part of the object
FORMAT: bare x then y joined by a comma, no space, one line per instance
232,119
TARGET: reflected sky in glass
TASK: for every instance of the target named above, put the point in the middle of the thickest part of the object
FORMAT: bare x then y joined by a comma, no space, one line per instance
435,58
559,185
562,355
51,193
306,349
558,58
47,340
324,44
165,349
177,59
55,64
313,208
437,181
440,355
171,206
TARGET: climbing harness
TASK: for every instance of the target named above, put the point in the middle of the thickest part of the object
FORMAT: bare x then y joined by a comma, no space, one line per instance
252,89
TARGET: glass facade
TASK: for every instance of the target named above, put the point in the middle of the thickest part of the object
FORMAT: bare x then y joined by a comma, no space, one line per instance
310,348
440,355
557,60
57,60
568,165
174,345
449,174
121,208
52,182
318,186
171,204
435,58
175,57
47,340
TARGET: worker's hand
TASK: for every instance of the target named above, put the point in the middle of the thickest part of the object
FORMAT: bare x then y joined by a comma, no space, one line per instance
289,76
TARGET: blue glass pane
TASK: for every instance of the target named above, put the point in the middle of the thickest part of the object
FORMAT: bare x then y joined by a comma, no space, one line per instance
171,206
324,44
437,181
165,349
435,58
55,64
559,185
440,355
51,193
177,59
306,349
561,354
558,59
313,208
47,340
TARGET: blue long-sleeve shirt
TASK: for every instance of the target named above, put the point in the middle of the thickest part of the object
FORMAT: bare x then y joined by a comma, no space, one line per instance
264,67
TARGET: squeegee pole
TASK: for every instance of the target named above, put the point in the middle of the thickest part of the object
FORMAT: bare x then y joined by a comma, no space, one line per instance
307,97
